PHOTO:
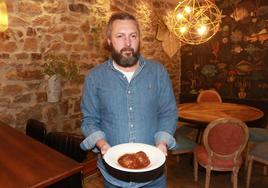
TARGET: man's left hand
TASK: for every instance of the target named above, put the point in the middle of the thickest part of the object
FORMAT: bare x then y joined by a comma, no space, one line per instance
163,147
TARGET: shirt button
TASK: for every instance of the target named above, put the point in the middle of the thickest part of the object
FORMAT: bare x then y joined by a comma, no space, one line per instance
131,125
128,91
130,108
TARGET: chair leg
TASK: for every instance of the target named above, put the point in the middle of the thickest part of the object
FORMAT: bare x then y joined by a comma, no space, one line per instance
195,168
247,155
234,175
199,135
246,159
208,172
177,158
265,170
249,172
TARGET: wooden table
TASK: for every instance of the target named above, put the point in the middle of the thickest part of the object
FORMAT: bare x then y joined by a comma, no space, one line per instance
204,113
24,162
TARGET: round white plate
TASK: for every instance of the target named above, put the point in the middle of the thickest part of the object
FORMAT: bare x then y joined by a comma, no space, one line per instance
156,156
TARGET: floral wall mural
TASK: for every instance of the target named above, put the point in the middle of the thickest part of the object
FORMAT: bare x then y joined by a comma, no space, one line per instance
235,61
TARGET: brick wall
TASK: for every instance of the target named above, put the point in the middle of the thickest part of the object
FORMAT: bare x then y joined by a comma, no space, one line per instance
40,27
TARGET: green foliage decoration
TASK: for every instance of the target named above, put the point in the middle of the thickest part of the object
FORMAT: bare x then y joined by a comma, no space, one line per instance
61,66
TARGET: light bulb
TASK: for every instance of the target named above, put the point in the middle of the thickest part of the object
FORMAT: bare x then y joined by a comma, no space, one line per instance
183,29
179,16
188,9
202,30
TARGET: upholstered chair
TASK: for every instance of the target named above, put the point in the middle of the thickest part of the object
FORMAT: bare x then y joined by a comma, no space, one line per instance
256,135
36,129
223,142
66,143
258,153
184,144
209,95
69,145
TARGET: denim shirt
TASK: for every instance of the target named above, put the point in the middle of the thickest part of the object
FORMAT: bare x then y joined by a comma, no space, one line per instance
140,111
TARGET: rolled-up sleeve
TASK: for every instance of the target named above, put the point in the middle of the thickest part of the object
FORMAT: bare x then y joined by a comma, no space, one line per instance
165,137
90,122
167,111
89,142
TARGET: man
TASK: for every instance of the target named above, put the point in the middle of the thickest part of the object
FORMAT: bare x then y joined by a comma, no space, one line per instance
127,99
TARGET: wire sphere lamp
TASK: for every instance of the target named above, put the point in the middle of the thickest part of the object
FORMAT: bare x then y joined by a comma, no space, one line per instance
195,21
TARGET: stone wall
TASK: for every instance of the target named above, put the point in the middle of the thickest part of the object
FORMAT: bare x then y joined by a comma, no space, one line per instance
70,27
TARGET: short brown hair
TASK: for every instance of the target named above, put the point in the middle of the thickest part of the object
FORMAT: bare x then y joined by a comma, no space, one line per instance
120,16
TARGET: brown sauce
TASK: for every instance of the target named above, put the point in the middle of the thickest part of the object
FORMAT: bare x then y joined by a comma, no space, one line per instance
134,160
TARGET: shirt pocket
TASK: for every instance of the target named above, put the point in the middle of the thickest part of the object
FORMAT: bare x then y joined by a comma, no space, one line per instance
110,101
147,96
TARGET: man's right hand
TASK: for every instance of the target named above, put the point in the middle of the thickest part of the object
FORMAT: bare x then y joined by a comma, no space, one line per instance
103,146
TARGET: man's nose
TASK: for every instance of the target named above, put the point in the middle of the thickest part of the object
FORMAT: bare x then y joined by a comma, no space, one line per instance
128,41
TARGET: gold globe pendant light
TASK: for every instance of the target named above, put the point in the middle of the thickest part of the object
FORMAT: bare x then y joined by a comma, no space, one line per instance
195,21
3,16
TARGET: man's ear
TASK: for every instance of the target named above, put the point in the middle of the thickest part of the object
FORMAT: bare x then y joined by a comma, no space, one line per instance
107,45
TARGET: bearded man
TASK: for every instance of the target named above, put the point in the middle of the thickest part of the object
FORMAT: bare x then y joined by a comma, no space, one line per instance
127,99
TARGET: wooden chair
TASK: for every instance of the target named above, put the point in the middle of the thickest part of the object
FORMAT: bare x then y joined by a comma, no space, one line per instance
36,129
209,95
223,142
258,153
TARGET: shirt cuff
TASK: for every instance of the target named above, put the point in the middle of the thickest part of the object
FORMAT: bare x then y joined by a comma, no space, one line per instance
162,136
90,142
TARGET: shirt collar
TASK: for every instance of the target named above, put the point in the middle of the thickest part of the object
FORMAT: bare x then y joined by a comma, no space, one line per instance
141,60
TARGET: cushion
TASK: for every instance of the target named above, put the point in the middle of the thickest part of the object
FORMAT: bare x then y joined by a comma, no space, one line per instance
225,138
183,143
202,158
258,134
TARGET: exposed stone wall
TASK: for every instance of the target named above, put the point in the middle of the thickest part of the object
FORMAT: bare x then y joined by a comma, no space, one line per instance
71,27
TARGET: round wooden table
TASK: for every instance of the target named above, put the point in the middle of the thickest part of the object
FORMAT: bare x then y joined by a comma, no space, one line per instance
204,113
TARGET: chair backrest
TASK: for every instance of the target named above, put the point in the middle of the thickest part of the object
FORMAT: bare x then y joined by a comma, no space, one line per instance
36,129
225,138
66,143
209,96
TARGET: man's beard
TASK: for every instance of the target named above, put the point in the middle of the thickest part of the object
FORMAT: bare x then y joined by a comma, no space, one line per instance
125,61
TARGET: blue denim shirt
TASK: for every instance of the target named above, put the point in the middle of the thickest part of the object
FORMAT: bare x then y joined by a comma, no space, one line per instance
141,111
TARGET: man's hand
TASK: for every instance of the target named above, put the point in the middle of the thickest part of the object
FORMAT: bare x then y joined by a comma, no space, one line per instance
103,146
163,147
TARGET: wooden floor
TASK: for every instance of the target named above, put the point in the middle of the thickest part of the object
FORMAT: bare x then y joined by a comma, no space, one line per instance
180,175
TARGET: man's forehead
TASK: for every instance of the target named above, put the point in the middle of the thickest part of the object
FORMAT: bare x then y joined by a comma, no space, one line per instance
124,25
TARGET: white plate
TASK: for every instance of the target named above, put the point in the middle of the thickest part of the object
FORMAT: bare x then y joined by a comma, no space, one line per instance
156,156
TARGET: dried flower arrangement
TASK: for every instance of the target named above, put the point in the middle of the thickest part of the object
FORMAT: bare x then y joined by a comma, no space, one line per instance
61,66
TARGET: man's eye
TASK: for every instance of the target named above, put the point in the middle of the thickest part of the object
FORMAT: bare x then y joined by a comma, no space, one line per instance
134,36
119,36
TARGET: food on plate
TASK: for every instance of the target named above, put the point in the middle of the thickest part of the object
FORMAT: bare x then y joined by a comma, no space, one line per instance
134,160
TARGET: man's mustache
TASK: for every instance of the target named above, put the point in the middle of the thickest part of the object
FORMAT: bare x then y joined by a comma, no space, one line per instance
127,49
